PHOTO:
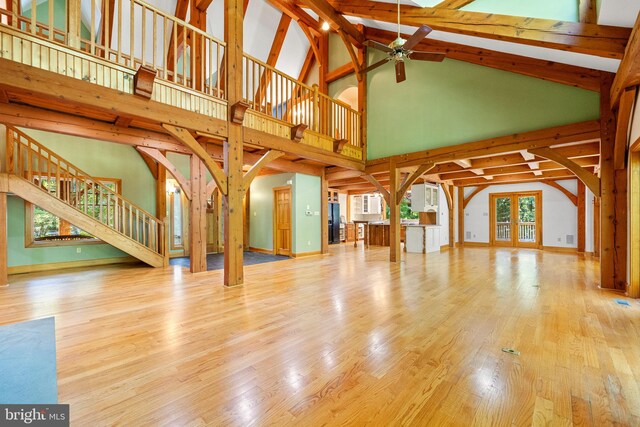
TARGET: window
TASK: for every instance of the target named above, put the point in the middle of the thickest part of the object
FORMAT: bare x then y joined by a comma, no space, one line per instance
45,229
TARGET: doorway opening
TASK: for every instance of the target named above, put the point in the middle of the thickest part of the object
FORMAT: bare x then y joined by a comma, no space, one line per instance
516,219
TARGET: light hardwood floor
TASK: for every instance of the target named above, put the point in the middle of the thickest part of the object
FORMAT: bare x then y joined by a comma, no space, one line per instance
342,339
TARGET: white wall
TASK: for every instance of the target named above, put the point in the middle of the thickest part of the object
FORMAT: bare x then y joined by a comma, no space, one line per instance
559,215
443,211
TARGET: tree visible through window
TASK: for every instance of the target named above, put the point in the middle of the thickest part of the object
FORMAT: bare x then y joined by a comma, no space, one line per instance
48,228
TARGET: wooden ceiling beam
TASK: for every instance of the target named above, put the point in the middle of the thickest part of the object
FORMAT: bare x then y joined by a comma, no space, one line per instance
183,135
628,74
266,140
68,124
182,6
340,72
272,58
338,22
571,75
525,177
508,170
590,180
297,14
59,89
280,165
307,65
203,5
590,39
453,4
577,132
170,167
622,128
563,190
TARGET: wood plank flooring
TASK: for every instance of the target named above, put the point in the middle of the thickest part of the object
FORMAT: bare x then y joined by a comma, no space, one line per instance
343,339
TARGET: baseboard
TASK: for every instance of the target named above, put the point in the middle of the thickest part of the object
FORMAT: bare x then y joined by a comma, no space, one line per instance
261,250
303,254
445,247
560,249
21,269
476,244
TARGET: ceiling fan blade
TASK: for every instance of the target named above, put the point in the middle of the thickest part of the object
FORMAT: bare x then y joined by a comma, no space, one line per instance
400,74
376,65
417,37
377,45
427,56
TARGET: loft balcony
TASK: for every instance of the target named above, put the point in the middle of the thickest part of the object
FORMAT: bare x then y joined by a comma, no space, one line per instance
107,43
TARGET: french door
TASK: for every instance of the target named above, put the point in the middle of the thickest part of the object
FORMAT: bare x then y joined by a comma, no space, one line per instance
516,219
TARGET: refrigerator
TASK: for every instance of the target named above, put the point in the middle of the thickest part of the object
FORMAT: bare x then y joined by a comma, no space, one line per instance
334,223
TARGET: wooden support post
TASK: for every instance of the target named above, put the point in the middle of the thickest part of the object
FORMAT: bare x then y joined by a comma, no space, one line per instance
218,237
633,290
362,98
198,216
596,226
612,243
452,242
581,216
394,220
246,217
620,241
73,23
324,213
4,275
461,216
161,193
323,69
233,148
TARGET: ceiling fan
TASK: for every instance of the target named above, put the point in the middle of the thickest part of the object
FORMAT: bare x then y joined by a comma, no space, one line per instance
401,49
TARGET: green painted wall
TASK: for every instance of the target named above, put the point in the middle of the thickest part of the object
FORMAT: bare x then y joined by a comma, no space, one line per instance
305,192
59,16
338,54
99,159
261,230
453,102
564,10
306,229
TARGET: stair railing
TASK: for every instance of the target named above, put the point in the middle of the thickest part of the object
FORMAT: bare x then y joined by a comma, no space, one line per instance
30,160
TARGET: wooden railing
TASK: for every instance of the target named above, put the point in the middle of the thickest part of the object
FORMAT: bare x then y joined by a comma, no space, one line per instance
140,35
527,231
28,159
275,94
503,231
132,33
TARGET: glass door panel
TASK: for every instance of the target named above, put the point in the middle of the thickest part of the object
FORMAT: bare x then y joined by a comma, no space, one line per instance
503,219
527,219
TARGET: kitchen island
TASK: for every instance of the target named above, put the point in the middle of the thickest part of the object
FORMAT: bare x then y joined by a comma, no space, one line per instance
423,238
380,233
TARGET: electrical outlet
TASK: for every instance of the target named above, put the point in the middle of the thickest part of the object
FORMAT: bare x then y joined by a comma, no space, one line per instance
255,213
78,250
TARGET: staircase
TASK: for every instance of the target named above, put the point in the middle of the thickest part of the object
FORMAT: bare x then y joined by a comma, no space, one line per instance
39,176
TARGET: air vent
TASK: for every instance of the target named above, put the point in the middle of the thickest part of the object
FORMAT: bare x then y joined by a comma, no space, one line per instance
468,235
569,239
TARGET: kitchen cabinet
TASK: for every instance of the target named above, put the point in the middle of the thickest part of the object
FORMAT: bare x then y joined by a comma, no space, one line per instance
368,204
424,198
423,238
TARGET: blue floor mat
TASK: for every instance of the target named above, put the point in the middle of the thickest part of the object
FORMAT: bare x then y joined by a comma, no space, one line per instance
28,362
216,261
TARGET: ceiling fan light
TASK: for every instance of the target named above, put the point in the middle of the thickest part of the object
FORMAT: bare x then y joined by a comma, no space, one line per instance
325,26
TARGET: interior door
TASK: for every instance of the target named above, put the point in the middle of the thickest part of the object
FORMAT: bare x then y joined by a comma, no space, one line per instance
516,219
282,221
